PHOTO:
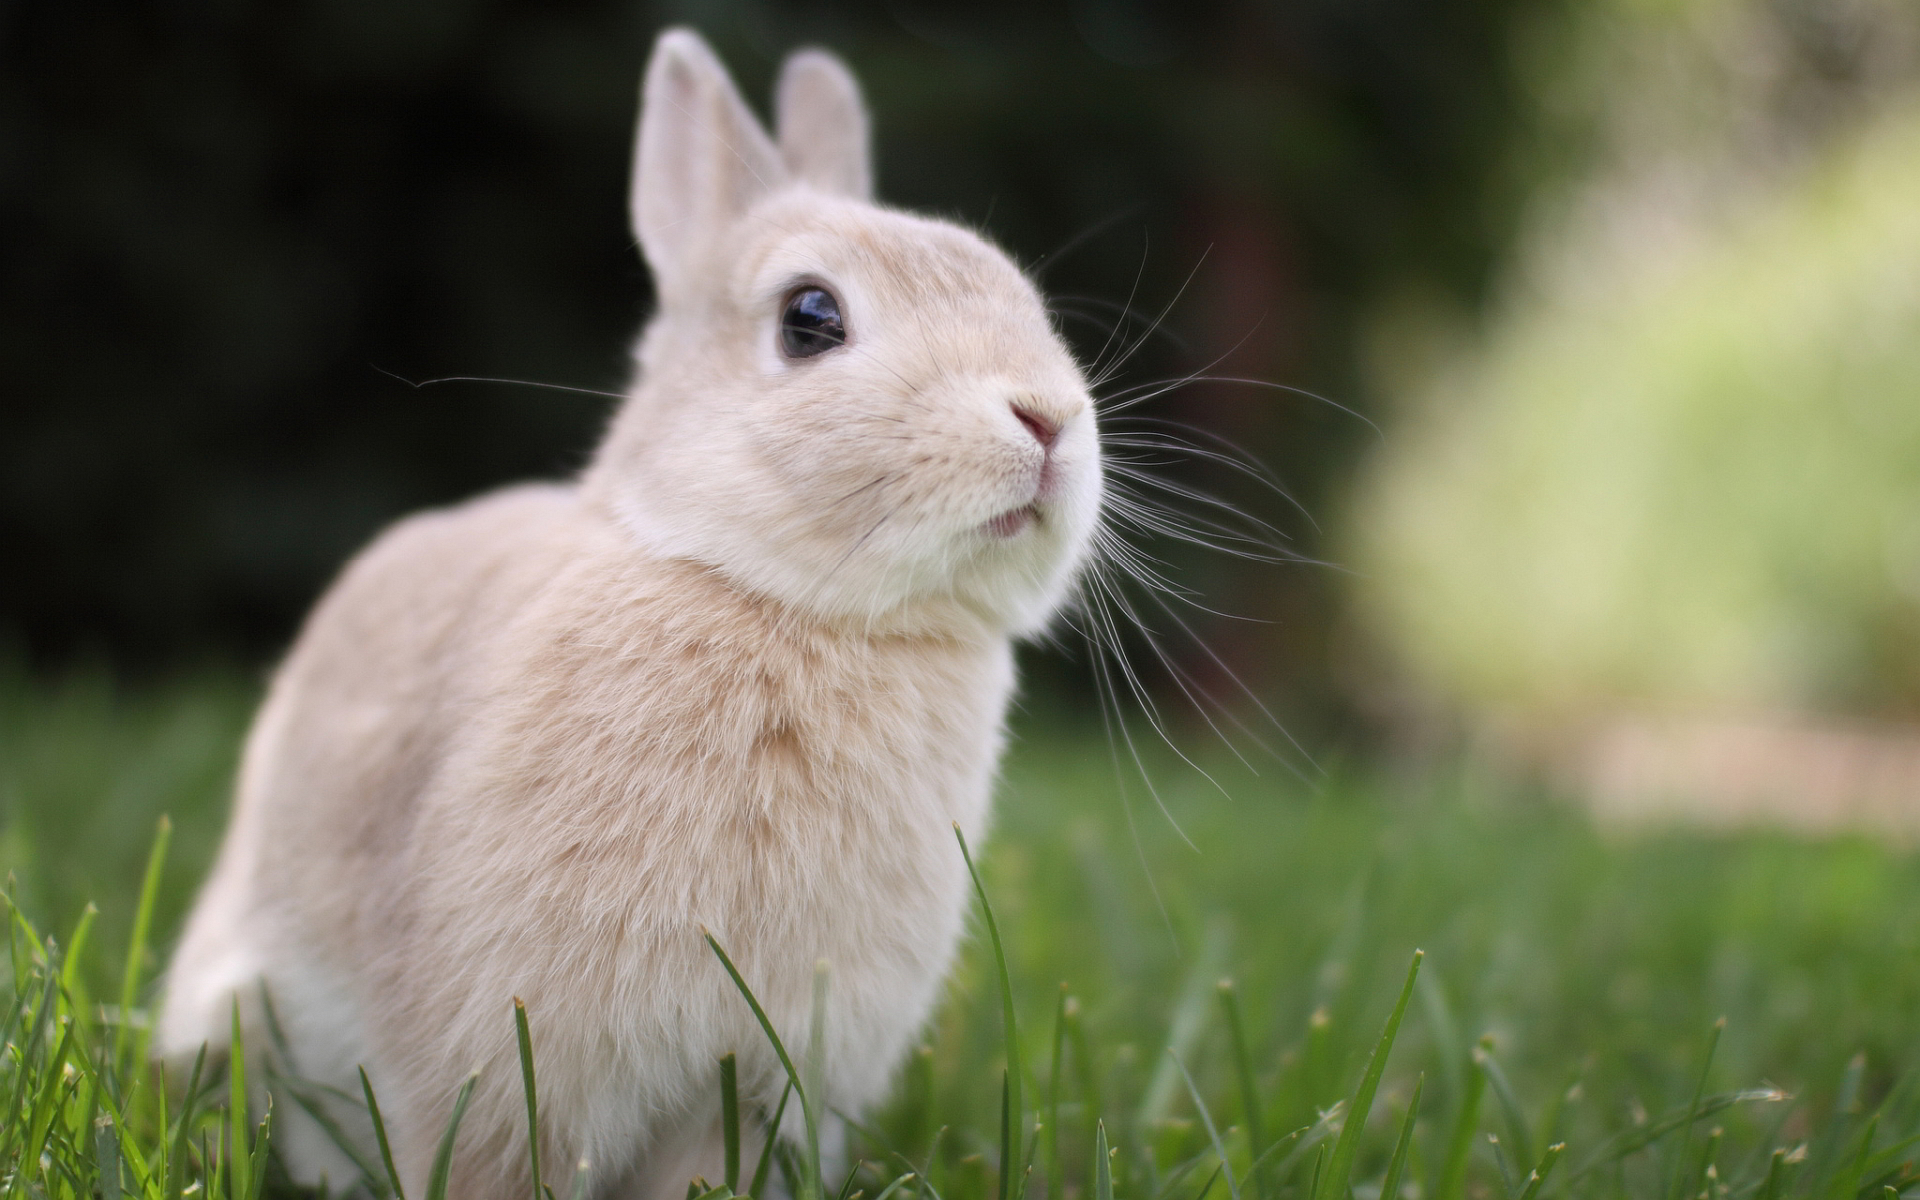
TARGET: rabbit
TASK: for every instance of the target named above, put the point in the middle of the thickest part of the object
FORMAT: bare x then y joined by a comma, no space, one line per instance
746,674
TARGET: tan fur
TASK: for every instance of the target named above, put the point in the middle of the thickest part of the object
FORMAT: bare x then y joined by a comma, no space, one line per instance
745,675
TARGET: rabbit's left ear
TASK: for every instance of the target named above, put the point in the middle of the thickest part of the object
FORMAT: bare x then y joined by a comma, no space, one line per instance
701,161
823,125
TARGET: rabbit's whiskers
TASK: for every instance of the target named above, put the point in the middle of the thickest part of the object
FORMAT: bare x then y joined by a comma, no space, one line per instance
1127,590
417,384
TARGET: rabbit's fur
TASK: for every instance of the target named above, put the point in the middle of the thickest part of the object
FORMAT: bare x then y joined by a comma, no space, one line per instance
745,675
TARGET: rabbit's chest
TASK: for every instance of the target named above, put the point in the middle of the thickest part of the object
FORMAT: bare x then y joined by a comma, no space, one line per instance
805,788
811,821
851,781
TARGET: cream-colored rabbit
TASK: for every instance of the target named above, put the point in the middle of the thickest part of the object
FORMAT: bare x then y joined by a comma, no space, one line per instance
745,674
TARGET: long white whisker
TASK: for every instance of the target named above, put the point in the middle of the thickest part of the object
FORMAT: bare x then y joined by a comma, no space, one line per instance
1230,456
1241,685
532,383
1122,313
1262,383
1201,702
1102,376
1110,697
1045,262
1094,368
1139,510
1140,693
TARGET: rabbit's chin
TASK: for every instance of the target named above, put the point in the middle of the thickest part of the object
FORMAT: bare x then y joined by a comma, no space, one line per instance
1008,575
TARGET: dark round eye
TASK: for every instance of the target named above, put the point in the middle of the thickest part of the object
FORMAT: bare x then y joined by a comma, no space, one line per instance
811,324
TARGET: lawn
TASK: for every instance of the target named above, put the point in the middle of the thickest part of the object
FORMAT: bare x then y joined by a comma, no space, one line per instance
1570,988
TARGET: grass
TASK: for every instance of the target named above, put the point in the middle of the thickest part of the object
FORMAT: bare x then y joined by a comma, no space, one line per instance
1570,992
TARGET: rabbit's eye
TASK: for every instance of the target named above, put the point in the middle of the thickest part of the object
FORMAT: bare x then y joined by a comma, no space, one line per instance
811,325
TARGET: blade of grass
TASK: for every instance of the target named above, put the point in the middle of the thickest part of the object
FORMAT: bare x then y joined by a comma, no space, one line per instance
1889,1155
211,1153
1206,1121
1500,1163
1632,1140
1397,1165
76,946
760,1171
814,1186
868,1133
276,1033
1776,1176
1707,1168
1211,1180
1537,1178
766,1027
1102,1163
137,944
130,1140
933,1158
315,1108
45,1012
730,1120
524,1037
442,1172
1340,1166
241,1169
898,1183
1084,1066
106,1152
1243,1073
1846,1181
1299,1143
1006,1134
1170,1180
1569,1092
1677,1179
257,1153
1056,1166
1191,1011
174,1170
1453,1172
847,1190
1519,1135
1010,1029
919,1091
40,1118
380,1136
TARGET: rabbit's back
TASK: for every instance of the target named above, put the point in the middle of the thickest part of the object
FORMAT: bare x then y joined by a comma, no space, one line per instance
353,725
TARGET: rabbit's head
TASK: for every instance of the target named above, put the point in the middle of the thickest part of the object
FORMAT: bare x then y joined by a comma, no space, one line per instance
863,413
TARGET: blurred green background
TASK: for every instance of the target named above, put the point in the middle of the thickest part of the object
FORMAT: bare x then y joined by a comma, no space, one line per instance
1677,466
1602,315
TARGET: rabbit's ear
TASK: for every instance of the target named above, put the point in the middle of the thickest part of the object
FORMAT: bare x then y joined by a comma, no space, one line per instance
700,160
823,125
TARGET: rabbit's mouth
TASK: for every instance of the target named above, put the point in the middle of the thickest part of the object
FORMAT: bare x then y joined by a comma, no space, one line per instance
1013,522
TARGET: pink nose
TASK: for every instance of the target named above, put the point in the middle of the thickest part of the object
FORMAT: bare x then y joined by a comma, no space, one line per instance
1044,431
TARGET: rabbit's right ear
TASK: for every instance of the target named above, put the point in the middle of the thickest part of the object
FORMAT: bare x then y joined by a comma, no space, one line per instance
700,160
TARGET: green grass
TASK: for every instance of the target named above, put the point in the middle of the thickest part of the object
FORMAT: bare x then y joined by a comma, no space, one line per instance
1569,992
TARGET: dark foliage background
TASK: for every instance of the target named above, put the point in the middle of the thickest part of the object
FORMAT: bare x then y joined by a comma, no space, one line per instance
228,224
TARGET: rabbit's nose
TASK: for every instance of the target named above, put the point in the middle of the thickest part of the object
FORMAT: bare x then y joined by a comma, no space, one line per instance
1043,430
